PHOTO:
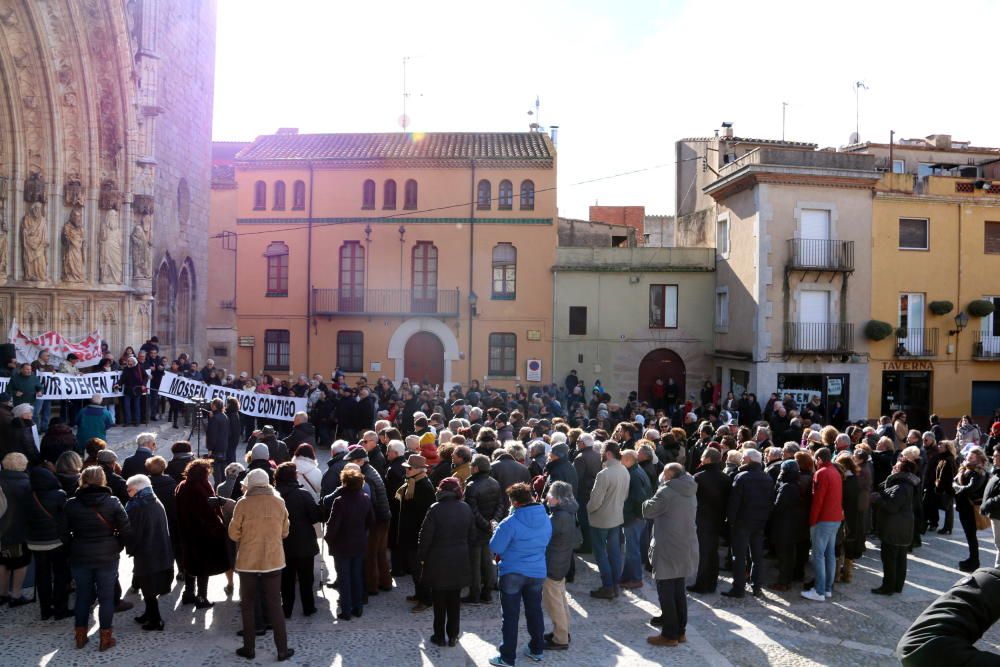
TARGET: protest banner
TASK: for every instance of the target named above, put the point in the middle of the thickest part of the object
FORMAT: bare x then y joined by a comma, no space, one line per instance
64,387
27,349
265,406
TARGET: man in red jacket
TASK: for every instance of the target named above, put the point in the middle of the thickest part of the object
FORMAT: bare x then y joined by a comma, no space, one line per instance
825,515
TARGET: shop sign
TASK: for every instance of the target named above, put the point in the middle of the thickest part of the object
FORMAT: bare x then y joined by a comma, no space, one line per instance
908,365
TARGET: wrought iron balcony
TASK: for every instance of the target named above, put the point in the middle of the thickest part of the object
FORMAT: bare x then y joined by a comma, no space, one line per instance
916,342
442,303
986,347
819,338
820,255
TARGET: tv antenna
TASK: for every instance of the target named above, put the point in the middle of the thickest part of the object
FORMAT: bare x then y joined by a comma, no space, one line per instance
404,120
858,87
536,124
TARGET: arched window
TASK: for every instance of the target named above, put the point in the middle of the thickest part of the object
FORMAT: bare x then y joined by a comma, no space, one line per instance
185,288
484,195
368,195
351,298
389,195
425,260
504,271
527,195
506,197
277,269
410,195
279,196
298,196
164,286
259,196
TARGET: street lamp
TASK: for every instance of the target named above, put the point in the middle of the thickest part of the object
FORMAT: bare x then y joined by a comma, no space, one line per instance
473,300
961,321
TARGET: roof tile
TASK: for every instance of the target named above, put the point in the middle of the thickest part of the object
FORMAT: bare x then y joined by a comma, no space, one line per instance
398,146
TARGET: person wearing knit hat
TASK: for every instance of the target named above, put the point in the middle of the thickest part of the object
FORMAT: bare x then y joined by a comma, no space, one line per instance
259,526
428,449
259,452
356,453
448,531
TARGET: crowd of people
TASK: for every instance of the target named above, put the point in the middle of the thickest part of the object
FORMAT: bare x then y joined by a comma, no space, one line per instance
466,494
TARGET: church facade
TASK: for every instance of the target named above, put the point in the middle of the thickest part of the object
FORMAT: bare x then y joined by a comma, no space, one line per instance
105,163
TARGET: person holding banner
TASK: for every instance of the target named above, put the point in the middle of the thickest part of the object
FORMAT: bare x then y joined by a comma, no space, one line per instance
25,386
133,388
69,367
43,364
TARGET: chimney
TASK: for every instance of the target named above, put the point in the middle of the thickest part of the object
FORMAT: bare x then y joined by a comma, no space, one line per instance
727,130
287,130
940,140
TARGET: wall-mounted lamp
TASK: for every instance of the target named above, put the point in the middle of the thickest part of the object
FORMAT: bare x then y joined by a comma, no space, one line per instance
473,300
368,233
402,233
961,321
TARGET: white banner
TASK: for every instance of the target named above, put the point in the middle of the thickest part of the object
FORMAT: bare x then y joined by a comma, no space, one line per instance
27,349
62,387
252,404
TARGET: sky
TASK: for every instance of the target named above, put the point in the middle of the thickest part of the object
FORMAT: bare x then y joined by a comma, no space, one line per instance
622,80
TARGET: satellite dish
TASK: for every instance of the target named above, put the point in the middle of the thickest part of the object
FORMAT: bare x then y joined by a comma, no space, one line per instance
853,139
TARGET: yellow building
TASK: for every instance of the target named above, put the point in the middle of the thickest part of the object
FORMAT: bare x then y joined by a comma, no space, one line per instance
426,256
936,238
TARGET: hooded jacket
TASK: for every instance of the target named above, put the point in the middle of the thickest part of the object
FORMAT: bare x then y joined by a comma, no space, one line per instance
673,551
92,421
566,536
521,540
16,487
45,510
149,543
894,507
448,531
259,526
92,539
484,497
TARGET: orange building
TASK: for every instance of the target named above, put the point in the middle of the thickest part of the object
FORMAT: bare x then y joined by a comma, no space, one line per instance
426,256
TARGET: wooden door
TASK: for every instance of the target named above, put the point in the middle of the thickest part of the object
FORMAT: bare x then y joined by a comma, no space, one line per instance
661,364
423,359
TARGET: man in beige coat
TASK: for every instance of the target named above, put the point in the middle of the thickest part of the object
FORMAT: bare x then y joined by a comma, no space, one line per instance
260,523
605,513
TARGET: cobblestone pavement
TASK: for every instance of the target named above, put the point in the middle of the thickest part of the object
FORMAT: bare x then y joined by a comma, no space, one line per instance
855,628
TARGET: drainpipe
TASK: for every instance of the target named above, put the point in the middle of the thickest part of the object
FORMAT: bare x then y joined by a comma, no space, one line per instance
309,284
958,290
472,256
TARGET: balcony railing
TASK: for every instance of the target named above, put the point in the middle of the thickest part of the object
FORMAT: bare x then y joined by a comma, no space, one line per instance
819,338
821,255
386,302
916,342
986,346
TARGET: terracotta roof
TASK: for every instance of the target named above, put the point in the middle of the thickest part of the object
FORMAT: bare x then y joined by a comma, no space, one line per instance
399,146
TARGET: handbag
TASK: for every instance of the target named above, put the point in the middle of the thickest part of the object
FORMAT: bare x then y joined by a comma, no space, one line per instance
982,522
114,531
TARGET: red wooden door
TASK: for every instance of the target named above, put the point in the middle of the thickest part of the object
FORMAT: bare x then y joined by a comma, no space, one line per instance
661,364
423,359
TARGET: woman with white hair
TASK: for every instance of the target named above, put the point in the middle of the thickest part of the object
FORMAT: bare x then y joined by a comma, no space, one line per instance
22,433
150,547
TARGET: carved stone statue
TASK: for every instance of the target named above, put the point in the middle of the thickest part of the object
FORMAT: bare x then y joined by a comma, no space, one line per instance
142,245
35,242
72,249
112,259
4,229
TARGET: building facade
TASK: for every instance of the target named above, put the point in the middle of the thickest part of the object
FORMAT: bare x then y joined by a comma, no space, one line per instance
629,316
425,256
791,226
104,167
936,243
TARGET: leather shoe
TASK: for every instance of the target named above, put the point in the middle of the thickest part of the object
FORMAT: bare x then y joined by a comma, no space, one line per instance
660,640
603,593
881,591
682,639
453,642
553,646
286,655
656,621
247,653
438,641
733,594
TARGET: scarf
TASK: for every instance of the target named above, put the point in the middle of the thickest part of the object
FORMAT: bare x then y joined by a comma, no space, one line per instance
139,498
411,485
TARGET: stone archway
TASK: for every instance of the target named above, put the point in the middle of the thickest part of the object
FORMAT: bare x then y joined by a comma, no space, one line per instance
397,345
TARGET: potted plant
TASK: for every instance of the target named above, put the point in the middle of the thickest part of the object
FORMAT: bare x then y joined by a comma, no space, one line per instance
980,308
940,307
877,330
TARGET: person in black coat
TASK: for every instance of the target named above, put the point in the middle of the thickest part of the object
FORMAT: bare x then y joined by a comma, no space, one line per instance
894,505
16,487
749,507
946,632
182,456
107,460
352,515
445,537
303,433
58,438
395,477
483,495
785,521
415,498
164,487
560,469
300,545
217,439
338,459
51,565
235,428
713,495
150,547
21,437
95,530
969,484
202,533
136,464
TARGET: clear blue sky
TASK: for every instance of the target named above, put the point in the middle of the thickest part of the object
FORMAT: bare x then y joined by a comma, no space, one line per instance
623,80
